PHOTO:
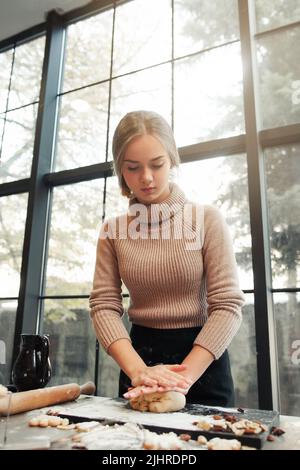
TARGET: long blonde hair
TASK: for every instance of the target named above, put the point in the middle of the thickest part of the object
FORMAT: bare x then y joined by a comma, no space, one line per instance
139,123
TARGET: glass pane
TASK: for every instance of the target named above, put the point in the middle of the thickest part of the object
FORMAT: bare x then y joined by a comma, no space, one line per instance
75,224
150,89
8,311
13,210
279,73
82,128
5,71
222,182
208,98
273,13
115,204
88,51
283,189
18,142
72,340
108,382
199,25
244,369
27,73
143,35
287,311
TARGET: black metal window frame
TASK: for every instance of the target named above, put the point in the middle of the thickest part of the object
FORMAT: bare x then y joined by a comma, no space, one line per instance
42,180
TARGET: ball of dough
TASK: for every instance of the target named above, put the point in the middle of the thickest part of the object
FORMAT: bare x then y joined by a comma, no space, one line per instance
159,402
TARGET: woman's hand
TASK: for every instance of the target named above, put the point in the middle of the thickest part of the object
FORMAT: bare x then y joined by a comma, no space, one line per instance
167,376
134,392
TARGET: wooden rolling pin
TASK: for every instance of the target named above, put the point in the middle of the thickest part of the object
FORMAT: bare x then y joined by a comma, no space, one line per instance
38,398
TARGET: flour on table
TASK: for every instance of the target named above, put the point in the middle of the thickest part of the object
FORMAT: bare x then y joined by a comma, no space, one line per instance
112,410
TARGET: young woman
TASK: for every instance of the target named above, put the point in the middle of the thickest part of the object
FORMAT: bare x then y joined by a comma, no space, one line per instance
185,300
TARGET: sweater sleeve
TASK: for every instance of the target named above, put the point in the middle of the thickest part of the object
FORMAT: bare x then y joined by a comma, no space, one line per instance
106,295
224,297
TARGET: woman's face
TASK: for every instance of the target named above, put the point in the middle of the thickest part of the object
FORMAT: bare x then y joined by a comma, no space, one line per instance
146,167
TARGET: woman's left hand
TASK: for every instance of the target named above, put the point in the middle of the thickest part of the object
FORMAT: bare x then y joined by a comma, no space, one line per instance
144,389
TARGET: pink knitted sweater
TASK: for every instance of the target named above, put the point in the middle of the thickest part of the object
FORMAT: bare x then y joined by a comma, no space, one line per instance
173,282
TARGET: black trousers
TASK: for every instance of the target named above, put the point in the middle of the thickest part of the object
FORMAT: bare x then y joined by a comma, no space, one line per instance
171,346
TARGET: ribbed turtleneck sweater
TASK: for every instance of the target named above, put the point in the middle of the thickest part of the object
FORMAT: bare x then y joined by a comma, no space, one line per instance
170,286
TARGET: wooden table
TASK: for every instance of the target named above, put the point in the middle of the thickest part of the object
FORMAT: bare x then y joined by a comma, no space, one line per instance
21,436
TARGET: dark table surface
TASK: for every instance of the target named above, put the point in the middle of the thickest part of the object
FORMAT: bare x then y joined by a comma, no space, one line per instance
21,436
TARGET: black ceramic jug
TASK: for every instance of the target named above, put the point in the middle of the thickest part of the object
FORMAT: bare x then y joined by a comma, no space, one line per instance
32,368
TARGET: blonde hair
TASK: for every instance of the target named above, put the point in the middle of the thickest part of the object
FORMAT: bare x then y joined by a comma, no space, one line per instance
139,123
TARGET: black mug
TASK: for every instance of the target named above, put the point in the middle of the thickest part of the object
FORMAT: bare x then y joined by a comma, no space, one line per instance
32,368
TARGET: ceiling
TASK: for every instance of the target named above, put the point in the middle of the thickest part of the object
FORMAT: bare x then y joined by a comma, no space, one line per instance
18,15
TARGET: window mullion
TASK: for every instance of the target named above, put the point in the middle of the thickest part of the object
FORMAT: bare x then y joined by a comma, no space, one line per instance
267,370
35,229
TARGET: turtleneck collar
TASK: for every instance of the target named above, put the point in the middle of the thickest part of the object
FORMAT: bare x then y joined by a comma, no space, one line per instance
158,212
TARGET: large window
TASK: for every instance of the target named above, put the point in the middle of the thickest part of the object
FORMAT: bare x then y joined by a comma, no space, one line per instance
283,183
20,77
222,182
183,60
145,73
279,87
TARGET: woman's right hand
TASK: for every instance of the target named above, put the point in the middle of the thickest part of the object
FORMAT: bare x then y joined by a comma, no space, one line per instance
162,375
